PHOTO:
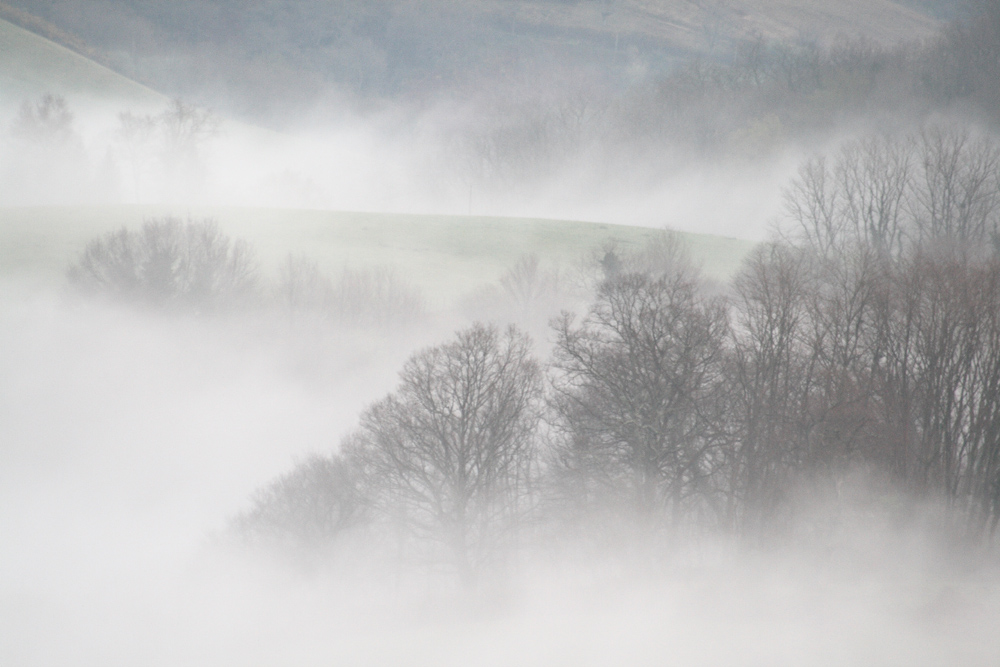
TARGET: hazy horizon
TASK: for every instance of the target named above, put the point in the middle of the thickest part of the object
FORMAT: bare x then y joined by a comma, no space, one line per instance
241,426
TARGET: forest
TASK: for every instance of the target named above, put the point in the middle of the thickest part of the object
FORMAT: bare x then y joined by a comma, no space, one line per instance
499,332
864,342
867,343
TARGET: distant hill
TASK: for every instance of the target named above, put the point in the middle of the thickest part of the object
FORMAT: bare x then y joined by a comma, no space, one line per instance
267,59
31,65
702,27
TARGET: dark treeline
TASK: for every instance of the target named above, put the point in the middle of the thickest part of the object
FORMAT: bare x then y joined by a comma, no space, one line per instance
866,342
270,61
510,121
273,60
754,103
802,88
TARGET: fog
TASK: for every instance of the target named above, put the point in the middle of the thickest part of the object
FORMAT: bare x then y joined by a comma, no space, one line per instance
439,160
130,440
148,423
127,442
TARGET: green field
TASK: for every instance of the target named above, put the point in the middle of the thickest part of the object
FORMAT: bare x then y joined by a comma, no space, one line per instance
447,256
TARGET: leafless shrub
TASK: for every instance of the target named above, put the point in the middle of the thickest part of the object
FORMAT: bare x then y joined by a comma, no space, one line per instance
374,297
526,294
171,264
310,507
302,287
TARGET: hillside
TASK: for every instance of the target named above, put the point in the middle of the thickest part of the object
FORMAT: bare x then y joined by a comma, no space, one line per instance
699,27
31,65
447,256
266,61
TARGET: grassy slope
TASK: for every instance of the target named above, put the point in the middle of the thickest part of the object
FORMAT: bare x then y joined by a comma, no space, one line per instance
447,256
31,65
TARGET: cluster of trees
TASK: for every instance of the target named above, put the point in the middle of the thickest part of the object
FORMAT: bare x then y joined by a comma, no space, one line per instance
149,157
519,123
751,104
673,405
444,469
895,192
191,266
165,149
373,297
528,294
771,91
44,156
300,53
170,263
864,358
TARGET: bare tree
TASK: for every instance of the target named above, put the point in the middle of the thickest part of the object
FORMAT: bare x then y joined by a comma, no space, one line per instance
185,129
632,383
309,507
137,135
956,195
46,161
47,121
453,447
812,201
527,294
170,264
526,283
770,376
890,193
374,297
302,287
873,175
842,335
168,145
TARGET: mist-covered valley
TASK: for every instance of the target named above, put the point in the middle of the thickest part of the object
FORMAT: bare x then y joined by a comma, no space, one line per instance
534,333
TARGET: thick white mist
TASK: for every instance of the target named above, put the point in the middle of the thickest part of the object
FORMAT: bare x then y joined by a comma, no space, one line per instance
399,160
128,440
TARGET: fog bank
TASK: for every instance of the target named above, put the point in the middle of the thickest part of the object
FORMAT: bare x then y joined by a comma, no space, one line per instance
129,440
